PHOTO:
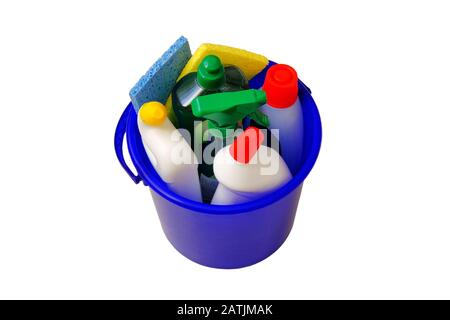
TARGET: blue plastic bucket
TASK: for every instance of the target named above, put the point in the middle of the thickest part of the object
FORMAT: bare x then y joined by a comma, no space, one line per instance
232,236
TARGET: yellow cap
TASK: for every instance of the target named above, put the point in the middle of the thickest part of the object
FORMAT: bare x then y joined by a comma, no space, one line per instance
153,113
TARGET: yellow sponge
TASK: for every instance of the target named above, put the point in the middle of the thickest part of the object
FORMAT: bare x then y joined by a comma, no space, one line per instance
250,63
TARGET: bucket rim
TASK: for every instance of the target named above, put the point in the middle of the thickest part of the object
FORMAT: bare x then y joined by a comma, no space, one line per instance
151,179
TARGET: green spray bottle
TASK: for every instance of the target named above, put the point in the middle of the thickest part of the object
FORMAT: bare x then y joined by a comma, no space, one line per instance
211,77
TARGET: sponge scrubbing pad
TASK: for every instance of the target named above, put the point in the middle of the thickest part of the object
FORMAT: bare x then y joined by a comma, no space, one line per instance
159,80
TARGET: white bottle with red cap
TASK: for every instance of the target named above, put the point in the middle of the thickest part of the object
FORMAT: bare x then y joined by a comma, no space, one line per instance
247,170
168,151
285,113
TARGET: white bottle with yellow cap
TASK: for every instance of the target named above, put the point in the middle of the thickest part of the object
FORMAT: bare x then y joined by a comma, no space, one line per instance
168,151
247,170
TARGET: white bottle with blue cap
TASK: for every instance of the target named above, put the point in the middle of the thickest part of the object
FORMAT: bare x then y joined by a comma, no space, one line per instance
284,111
247,170
168,151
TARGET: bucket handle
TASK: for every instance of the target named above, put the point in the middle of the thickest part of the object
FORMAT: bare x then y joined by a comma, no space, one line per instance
118,142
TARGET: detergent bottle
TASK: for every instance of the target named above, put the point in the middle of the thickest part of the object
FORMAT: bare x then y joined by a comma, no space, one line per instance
247,169
168,151
284,111
211,77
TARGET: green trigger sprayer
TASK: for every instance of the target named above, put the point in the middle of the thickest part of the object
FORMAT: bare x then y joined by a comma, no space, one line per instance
225,110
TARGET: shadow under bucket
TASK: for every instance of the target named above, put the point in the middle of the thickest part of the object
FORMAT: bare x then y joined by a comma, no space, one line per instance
231,236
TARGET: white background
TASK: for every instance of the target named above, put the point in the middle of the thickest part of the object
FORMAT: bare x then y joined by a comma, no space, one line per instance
374,217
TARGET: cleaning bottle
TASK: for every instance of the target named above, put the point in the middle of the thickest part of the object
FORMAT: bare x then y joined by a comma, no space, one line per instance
211,77
168,151
284,111
224,113
247,170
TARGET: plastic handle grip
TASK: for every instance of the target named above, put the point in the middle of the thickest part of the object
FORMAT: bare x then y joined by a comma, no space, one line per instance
118,142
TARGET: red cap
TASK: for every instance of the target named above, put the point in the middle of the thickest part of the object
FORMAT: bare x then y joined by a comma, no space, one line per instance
246,145
281,86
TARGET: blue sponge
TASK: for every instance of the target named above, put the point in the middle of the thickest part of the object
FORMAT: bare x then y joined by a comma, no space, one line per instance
157,83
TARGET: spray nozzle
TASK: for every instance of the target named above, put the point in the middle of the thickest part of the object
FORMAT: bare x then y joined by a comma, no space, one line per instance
224,110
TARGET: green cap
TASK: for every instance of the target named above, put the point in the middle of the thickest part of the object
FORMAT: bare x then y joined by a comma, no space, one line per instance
224,110
211,74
